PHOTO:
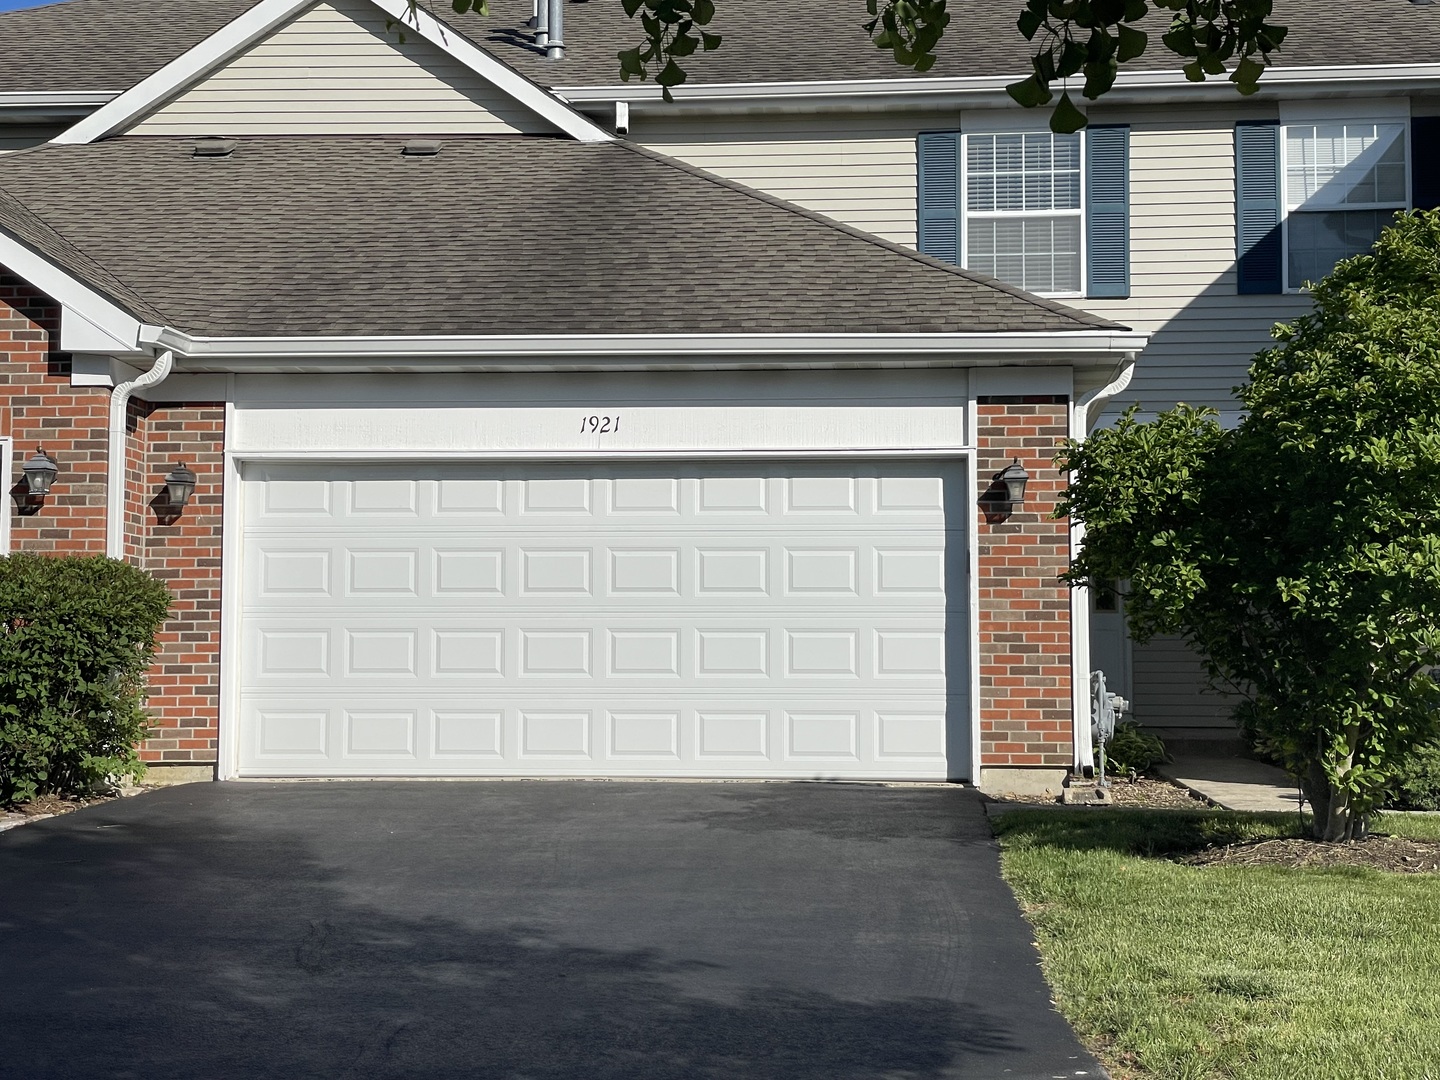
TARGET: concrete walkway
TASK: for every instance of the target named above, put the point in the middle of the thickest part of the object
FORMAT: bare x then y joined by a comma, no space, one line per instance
1236,783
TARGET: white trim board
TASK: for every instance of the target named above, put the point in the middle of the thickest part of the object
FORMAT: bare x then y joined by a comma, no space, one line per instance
7,464
267,16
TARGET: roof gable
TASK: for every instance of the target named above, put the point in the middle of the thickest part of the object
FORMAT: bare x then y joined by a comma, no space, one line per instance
299,67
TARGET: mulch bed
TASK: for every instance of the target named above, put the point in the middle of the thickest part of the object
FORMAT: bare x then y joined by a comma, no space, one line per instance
1394,853
49,806
1151,794
1145,793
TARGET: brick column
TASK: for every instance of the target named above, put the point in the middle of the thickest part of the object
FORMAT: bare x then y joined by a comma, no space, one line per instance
184,553
39,407
1024,617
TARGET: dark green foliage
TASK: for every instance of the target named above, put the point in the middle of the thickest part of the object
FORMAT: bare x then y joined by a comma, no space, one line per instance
1417,781
1299,553
76,635
1133,751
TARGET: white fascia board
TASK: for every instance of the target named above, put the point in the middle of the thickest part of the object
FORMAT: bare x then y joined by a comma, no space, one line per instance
505,78
1131,88
179,73
1072,344
89,322
236,36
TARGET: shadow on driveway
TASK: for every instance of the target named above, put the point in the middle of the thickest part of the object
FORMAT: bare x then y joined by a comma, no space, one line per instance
521,930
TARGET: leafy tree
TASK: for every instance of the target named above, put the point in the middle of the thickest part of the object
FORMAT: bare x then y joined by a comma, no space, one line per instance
1299,552
1089,38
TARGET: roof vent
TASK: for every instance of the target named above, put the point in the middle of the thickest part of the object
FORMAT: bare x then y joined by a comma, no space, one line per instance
214,147
421,148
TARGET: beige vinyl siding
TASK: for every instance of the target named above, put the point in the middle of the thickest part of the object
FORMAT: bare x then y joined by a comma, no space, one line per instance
858,169
1171,691
1182,262
336,69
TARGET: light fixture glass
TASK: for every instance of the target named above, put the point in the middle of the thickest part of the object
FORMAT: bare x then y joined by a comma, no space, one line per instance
40,472
179,486
1014,477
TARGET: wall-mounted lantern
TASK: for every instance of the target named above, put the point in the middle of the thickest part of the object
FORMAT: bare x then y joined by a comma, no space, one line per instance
1006,493
179,486
40,472
1014,477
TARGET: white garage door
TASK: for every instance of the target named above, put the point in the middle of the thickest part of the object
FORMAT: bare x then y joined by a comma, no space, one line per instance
779,619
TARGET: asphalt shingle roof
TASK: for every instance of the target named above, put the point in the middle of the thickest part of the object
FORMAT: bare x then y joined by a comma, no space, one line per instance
495,235
113,44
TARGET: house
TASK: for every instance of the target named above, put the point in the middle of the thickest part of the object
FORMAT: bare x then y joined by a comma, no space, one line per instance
519,448
1184,212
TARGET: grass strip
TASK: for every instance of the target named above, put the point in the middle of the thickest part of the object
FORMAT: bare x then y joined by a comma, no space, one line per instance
1215,972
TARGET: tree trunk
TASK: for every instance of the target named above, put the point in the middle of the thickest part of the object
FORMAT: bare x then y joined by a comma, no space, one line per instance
1336,820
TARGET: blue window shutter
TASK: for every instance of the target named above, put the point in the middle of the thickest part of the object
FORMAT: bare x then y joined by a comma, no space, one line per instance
938,205
1107,210
1425,162
1258,254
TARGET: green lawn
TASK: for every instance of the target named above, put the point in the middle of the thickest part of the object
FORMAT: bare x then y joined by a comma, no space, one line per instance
1215,972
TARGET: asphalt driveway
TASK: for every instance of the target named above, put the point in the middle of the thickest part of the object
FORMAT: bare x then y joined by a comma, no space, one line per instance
521,931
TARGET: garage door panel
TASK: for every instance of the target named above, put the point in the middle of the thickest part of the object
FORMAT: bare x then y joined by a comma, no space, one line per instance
780,619
575,736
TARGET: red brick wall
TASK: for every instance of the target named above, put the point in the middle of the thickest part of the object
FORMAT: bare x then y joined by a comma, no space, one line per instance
38,405
184,553
1024,618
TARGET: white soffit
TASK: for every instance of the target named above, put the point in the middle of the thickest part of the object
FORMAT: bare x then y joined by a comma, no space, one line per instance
268,15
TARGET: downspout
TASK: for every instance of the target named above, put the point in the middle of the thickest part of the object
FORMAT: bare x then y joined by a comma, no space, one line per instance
1083,414
115,458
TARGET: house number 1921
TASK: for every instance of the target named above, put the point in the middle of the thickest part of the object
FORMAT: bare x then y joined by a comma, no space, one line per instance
599,425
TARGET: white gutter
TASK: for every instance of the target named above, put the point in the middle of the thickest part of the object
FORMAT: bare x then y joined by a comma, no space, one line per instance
73,99
1083,414
1129,88
1083,342
115,458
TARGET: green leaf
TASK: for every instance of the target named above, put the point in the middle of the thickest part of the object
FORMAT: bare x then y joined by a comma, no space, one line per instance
1029,23
1066,119
1029,92
670,75
683,45
1246,75
1194,71
1132,43
631,6
630,64
704,11
709,41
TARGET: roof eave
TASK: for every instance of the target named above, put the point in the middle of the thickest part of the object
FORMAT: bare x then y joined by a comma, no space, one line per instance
1135,88
1078,348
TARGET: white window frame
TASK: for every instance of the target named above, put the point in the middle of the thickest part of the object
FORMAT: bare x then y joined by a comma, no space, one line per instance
1338,116
7,464
965,212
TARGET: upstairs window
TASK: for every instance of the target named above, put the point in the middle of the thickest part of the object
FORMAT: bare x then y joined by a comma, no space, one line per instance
1023,207
1049,213
1343,183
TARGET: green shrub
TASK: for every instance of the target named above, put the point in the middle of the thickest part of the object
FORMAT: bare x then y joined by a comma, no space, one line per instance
1132,751
1417,781
76,635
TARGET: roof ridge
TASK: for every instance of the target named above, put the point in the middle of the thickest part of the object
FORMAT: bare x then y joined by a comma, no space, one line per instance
1052,306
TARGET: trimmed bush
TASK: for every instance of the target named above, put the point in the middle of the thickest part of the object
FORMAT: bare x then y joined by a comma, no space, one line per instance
76,636
1417,781
1133,751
